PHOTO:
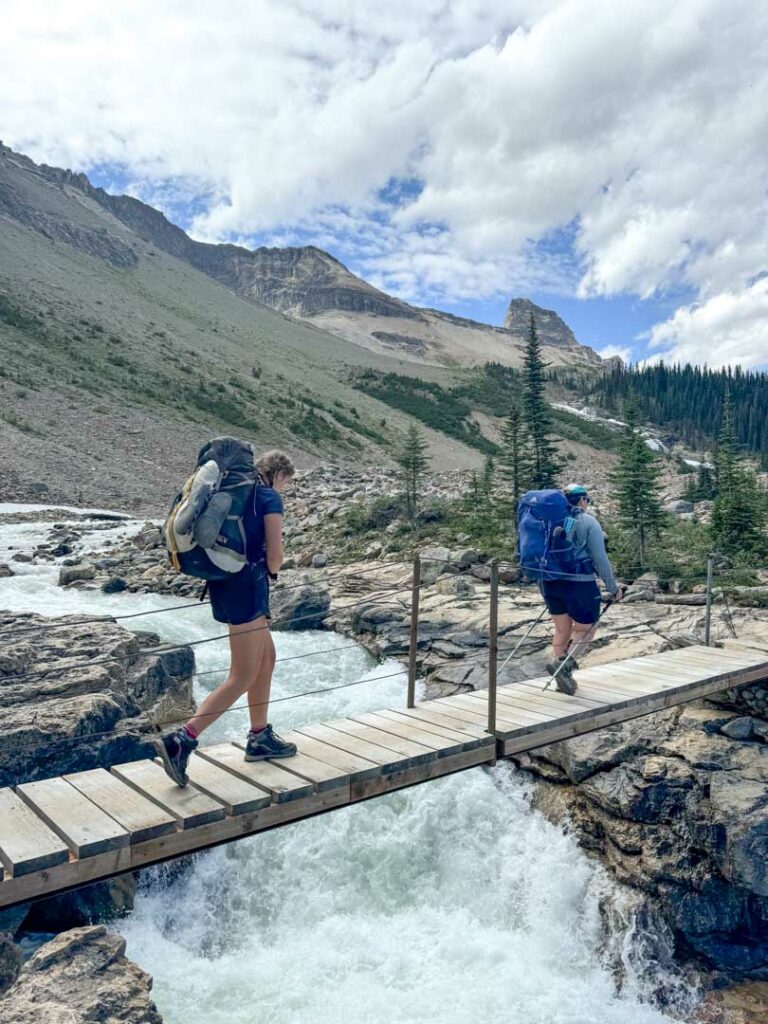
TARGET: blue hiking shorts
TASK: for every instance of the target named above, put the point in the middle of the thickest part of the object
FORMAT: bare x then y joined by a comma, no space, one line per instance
241,598
578,598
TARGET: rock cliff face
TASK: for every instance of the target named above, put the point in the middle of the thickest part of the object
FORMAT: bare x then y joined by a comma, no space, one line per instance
64,706
552,330
80,977
676,804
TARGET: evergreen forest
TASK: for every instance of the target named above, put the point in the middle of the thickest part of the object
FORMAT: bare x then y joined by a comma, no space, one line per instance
689,401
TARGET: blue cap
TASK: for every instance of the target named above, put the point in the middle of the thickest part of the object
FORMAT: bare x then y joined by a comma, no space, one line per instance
575,492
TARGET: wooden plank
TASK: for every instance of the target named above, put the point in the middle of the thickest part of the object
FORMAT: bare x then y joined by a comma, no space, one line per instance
26,842
83,826
535,691
462,715
439,732
429,713
188,805
555,703
407,729
552,709
387,760
414,753
343,761
516,716
281,785
237,795
14,891
140,817
366,789
322,774
634,708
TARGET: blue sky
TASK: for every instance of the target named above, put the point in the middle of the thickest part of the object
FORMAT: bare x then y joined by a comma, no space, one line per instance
613,168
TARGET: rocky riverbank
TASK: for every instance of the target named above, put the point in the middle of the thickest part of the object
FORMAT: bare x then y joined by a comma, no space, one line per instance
79,692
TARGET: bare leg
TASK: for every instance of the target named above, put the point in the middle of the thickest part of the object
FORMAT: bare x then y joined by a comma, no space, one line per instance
251,648
583,634
258,693
563,628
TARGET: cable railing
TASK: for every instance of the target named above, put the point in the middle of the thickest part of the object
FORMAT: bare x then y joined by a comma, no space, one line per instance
488,651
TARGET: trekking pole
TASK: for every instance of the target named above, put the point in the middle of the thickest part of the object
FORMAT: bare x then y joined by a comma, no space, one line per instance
523,638
569,655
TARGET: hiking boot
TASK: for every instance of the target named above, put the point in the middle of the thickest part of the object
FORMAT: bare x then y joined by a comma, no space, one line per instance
174,750
267,744
563,676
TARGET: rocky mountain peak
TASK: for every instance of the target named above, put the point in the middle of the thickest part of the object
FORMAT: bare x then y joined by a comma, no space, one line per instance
552,329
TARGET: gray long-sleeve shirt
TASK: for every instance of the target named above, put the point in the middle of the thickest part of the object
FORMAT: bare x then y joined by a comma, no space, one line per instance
589,541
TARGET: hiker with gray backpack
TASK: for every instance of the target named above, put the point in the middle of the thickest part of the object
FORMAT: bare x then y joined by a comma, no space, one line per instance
562,546
225,527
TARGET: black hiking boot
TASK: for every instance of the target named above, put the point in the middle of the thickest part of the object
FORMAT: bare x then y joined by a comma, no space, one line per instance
267,744
174,750
563,676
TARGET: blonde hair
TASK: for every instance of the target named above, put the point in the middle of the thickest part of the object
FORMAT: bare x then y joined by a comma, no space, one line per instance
271,463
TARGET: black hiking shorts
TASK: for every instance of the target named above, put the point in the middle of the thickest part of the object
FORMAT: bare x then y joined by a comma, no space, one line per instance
242,598
578,598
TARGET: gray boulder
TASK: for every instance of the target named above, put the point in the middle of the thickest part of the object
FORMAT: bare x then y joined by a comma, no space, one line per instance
80,977
75,573
305,606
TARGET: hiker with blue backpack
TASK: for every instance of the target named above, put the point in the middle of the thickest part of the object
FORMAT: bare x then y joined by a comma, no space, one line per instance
562,546
225,527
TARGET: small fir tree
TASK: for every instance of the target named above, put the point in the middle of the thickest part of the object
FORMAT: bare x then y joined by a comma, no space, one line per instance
738,514
637,487
514,462
536,415
413,463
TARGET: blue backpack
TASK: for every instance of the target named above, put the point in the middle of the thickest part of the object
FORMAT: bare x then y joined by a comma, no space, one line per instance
545,522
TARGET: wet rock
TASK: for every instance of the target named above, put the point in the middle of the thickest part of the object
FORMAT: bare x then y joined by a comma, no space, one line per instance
80,977
115,585
10,961
74,573
21,556
305,606
739,728
6,571
94,904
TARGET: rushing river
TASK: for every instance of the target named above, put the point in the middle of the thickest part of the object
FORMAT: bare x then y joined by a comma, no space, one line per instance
449,903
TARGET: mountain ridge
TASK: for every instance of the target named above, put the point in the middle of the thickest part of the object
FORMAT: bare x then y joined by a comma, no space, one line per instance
308,283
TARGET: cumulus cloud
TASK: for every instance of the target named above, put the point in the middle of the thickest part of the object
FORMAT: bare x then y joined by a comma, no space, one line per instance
641,130
728,329
624,352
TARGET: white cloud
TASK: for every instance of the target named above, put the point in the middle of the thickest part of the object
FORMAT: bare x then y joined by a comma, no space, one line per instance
624,352
641,127
728,329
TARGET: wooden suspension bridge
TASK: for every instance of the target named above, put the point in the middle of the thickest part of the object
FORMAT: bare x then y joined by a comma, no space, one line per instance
66,832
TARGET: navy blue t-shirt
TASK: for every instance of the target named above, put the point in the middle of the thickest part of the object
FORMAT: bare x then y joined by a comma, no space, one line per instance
265,501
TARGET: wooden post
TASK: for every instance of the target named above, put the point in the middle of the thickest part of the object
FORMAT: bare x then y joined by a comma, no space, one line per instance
415,592
493,646
708,613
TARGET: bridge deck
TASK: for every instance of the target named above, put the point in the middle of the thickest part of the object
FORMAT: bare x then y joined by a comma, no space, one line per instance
65,832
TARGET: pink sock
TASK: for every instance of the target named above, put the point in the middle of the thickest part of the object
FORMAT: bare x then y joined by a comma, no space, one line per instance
190,731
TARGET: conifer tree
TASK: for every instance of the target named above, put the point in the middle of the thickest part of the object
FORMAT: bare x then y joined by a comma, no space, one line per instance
413,464
637,486
738,514
514,460
536,415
